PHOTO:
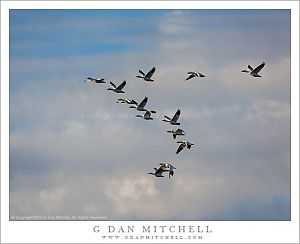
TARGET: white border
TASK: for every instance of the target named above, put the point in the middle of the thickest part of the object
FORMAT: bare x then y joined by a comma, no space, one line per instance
82,231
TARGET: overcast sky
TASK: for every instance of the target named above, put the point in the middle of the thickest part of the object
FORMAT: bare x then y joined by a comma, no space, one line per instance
75,151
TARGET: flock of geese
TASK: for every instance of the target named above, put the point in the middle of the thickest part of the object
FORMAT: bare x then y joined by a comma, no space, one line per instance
163,167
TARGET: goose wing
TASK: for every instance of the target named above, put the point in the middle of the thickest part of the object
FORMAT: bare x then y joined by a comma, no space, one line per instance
113,85
191,76
181,146
120,87
250,68
176,116
179,131
159,171
259,67
171,170
134,102
189,145
171,167
141,72
150,73
143,103
147,115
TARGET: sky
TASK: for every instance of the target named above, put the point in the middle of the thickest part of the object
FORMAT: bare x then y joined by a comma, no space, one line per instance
75,151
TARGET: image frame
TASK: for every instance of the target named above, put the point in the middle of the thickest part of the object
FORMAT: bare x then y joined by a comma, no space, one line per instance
213,231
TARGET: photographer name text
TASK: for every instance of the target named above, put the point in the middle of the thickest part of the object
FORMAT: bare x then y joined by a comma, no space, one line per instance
161,229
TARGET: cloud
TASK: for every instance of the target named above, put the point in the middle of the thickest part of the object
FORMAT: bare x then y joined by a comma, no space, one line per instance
75,151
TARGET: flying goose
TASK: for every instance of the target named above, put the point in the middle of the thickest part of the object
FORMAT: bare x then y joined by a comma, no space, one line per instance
148,76
128,101
96,80
194,74
141,106
254,72
178,132
117,89
164,167
173,121
168,167
158,172
146,115
183,144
